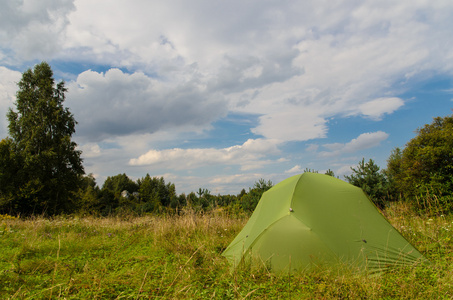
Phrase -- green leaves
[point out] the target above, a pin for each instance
(427, 160)
(149, 193)
(251, 199)
(371, 181)
(41, 129)
(424, 169)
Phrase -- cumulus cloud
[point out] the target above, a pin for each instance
(376, 108)
(249, 156)
(343, 50)
(291, 125)
(117, 104)
(34, 29)
(236, 178)
(176, 67)
(362, 142)
(224, 184)
(241, 74)
(90, 150)
(8, 88)
(294, 170)
(344, 170)
(336, 62)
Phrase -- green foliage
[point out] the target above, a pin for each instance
(330, 173)
(119, 183)
(394, 167)
(117, 194)
(225, 200)
(179, 201)
(191, 200)
(121, 195)
(155, 193)
(41, 129)
(426, 163)
(251, 199)
(204, 201)
(10, 171)
(88, 196)
(374, 183)
(150, 192)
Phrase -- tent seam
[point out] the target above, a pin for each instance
(294, 190)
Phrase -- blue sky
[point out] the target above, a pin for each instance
(218, 94)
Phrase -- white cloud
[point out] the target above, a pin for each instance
(90, 150)
(8, 88)
(34, 30)
(293, 170)
(233, 184)
(365, 141)
(292, 125)
(376, 108)
(312, 148)
(249, 156)
(293, 64)
(362, 142)
(236, 178)
(344, 171)
(119, 104)
(335, 62)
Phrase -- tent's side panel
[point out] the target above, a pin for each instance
(273, 205)
(350, 224)
(289, 244)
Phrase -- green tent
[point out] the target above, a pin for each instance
(313, 219)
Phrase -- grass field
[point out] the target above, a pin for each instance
(178, 257)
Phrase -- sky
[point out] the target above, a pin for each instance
(219, 94)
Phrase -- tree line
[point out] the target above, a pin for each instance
(121, 195)
(41, 171)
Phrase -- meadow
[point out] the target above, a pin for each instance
(178, 257)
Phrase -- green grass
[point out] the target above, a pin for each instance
(169, 257)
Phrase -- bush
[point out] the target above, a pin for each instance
(425, 166)
(374, 183)
(251, 199)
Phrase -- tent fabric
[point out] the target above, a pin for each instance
(312, 219)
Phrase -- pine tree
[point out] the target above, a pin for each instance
(373, 182)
